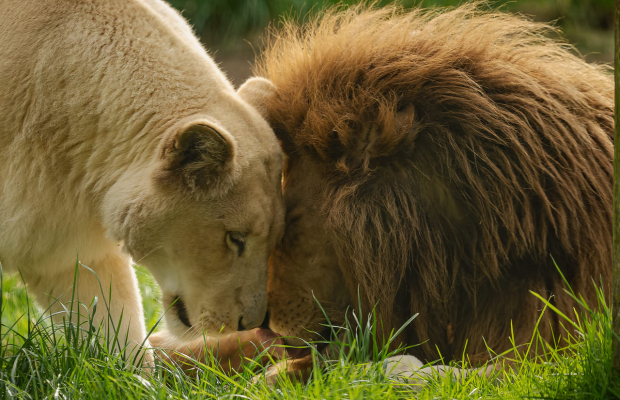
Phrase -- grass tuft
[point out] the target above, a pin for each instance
(40, 360)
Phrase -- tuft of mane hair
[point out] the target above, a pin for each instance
(464, 154)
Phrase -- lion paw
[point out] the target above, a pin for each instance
(293, 369)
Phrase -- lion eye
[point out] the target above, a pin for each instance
(236, 241)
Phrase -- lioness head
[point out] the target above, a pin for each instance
(202, 213)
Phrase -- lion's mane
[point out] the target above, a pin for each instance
(492, 161)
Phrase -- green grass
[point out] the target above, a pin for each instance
(39, 360)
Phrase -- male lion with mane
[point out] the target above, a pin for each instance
(441, 164)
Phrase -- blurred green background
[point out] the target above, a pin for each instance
(231, 29)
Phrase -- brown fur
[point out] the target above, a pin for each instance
(458, 154)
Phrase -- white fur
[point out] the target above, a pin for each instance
(413, 371)
(90, 91)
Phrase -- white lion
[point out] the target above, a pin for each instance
(119, 138)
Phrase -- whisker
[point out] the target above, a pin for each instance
(148, 254)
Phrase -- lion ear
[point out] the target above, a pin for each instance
(197, 155)
(405, 119)
(392, 134)
(377, 139)
(257, 92)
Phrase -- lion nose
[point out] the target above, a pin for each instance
(247, 322)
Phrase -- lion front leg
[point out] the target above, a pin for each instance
(116, 288)
(232, 352)
(298, 369)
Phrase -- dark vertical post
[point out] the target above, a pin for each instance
(616, 238)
